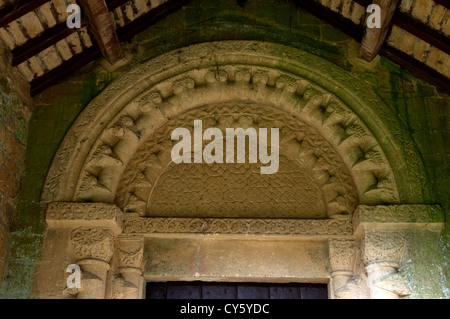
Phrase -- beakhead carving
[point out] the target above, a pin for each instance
(133, 111)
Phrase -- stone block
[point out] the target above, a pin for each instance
(55, 245)
(171, 258)
(8, 183)
(7, 215)
(12, 146)
(280, 260)
(18, 277)
(2, 266)
(10, 164)
(4, 236)
(25, 246)
(50, 280)
(212, 258)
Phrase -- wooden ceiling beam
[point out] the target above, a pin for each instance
(444, 3)
(114, 4)
(43, 41)
(102, 27)
(154, 15)
(333, 18)
(422, 31)
(68, 67)
(19, 9)
(416, 67)
(374, 37)
(88, 55)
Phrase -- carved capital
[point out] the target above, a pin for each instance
(130, 253)
(382, 247)
(92, 243)
(342, 255)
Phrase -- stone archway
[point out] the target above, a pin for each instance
(113, 190)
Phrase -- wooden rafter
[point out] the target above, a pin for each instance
(75, 63)
(102, 27)
(125, 33)
(333, 18)
(113, 4)
(444, 3)
(151, 17)
(356, 32)
(374, 37)
(414, 66)
(45, 40)
(422, 31)
(11, 13)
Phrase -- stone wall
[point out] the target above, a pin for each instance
(424, 110)
(15, 112)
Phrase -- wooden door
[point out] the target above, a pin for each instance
(216, 290)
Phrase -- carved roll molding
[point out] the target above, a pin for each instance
(346, 137)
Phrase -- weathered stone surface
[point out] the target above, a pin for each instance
(235, 259)
(421, 108)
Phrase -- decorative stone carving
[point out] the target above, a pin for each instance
(397, 283)
(139, 225)
(312, 181)
(92, 249)
(243, 72)
(383, 247)
(399, 216)
(72, 214)
(354, 288)
(129, 284)
(92, 243)
(382, 255)
(91, 287)
(123, 289)
(342, 255)
(342, 252)
(347, 145)
(130, 252)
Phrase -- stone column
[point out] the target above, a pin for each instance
(84, 235)
(382, 252)
(342, 258)
(384, 232)
(129, 283)
(92, 249)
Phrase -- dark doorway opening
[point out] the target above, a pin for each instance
(234, 290)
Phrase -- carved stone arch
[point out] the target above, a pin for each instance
(359, 125)
(344, 149)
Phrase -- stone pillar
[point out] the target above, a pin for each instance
(84, 235)
(384, 233)
(342, 258)
(92, 249)
(129, 283)
(382, 252)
